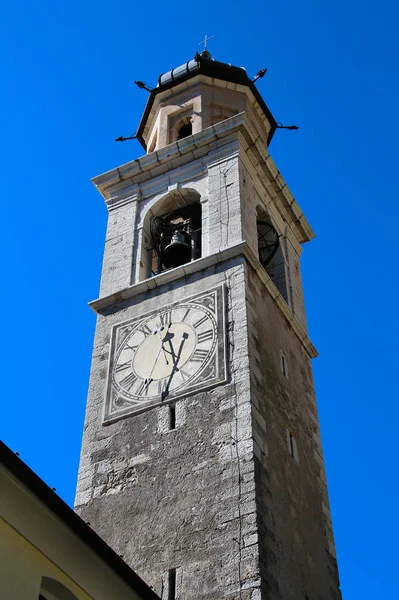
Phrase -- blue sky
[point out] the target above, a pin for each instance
(67, 75)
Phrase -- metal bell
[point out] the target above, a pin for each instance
(178, 252)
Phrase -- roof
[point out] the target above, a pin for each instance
(203, 64)
(53, 502)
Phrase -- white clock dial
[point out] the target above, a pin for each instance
(164, 352)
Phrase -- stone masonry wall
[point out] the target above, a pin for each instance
(220, 498)
(254, 198)
(184, 498)
(297, 556)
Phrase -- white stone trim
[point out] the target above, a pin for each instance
(197, 146)
(241, 249)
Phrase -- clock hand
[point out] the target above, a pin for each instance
(148, 380)
(175, 358)
(162, 341)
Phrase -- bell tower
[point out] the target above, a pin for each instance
(201, 459)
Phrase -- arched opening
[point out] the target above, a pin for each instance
(180, 123)
(184, 131)
(270, 253)
(51, 589)
(172, 233)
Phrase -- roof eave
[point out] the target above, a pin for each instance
(56, 505)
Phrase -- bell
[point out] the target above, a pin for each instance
(178, 252)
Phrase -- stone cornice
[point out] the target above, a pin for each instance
(112, 184)
(277, 189)
(241, 249)
(293, 322)
(274, 208)
(169, 157)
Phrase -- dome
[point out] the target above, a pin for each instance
(203, 64)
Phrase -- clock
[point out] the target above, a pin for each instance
(168, 353)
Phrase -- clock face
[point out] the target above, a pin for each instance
(167, 353)
(164, 352)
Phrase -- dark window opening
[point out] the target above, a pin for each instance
(172, 584)
(185, 131)
(284, 366)
(271, 256)
(268, 242)
(172, 417)
(292, 445)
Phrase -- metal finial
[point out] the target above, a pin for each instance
(205, 41)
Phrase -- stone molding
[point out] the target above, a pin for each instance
(204, 82)
(241, 249)
(112, 184)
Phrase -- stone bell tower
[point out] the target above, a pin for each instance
(201, 460)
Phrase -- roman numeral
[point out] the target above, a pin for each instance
(166, 318)
(133, 348)
(205, 335)
(186, 314)
(184, 375)
(143, 388)
(123, 366)
(128, 381)
(199, 323)
(199, 355)
(146, 330)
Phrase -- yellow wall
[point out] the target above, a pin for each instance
(22, 567)
(36, 543)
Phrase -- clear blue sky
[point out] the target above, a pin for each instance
(67, 73)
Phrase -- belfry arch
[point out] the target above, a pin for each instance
(271, 251)
(174, 209)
